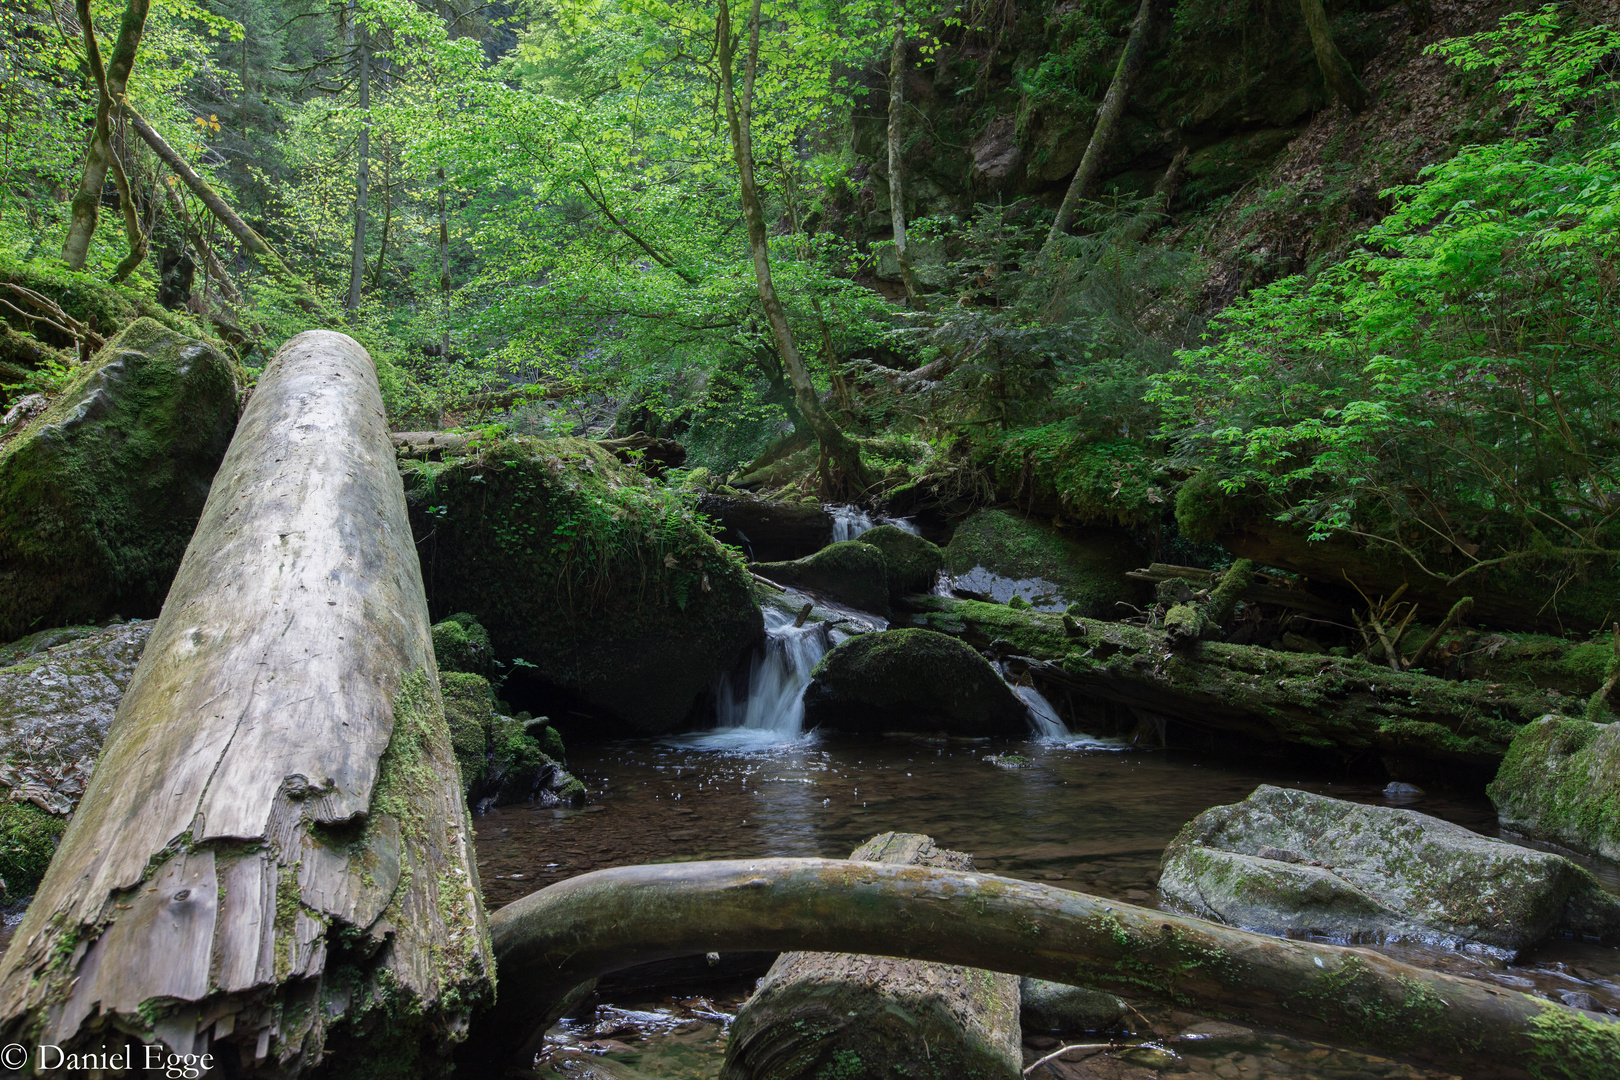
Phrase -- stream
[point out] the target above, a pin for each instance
(1067, 809)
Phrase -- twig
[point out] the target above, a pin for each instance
(1060, 1051)
(1458, 612)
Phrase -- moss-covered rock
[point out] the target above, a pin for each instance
(503, 759)
(911, 680)
(850, 572)
(99, 494)
(999, 555)
(468, 704)
(460, 643)
(911, 563)
(58, 697)
(605, 585)
(28, 839)
(1290, 862)
(1560, 782)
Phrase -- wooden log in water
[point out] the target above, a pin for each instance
(552, 940)
(816, 1012)
(273, 862)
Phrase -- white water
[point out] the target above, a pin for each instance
(850, 521)
(1048, 727)
(771, 710)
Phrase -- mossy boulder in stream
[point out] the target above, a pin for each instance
(1290, 862)
(503, 759)
(460, 643)
(99, 494)
(911, 680)
(997, 556)
(850, 572)
(911, 563)
(1560, 782)
(596, 584)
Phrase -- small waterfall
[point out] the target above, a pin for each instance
(1048, 727)
(773, 704)
(850, 521)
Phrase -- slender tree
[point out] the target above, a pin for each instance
(840, 463)
(111, 83)
(897, 201)
(362, 176)
(1336, 71)
(1108, 117)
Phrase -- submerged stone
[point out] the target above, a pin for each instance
(100, 492)
(850, 572)
(1560, 782)
(911, 680)
(1292, 863)
(998, 556)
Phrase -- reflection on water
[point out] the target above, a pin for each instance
(1079, 818)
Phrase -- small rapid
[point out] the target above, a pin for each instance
(850, 521)
(770, 711)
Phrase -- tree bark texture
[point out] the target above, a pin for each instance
(111, 83)
(897, 197)
(1336, 70)
(896, 1017)
(250, 240)
(273, 860)
(549, 942)
(362, 182)
(841, 468)
(1358, 711)
(1108, 117)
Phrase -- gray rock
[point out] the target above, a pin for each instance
(1050, 1006)
(1292, 863)
(58, 697)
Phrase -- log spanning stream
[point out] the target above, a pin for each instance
(1089, 819)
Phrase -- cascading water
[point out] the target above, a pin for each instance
(772, 708)
(1048, 727)
(850, 521)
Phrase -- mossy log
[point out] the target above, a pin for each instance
(1349, 707)
(815, 1011)
(549, 942)
(272, 862)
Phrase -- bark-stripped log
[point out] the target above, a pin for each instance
(815, 1010)
(552, 940)
(273, 861)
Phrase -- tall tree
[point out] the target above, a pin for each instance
(1336, 69)
(98, 157)
(840, 463)
(362, 176)
(1107, 125)
(897, 201)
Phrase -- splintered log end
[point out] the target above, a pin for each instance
(273, 862)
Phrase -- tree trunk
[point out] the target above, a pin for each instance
(840, 465)
(98, 156)
(362, 179)
(273, 859)
(551, 941)
(387, 222)
(897, 1017)
(1417, 725)
(304, 295)
(897, 200)
(1335, 68)
(444, 267)
(1108, 116)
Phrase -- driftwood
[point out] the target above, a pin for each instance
(1199, 620)
(551, 941)
(1354, 709)
(272, 862)
(897, 1017)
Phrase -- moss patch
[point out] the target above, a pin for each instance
(28, 839)
(1071, 567)
(911, 563)
(850, 572)
(460, 643)
(1560, 781)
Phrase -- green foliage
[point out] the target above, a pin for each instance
(28, 839)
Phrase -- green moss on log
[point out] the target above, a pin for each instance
(28, 839)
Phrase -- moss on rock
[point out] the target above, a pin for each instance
(911, 680)
(1000, 555)
(911, 563)
(850, 572)
(1560, 782)
(99, 494)
(28, 839)
(460, 643)
(604, 584)
(468, 703)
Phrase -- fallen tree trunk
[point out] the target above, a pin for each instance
(272, 861)
(897, 1017)
(551, 941)
(1350, 707)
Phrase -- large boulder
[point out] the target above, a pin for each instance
(59, 692)
(100, 492)
(995, 555)
(596, 585)
(911, 680)
(911, 563)
(768, 530)
(850, 572)
(1292, 863)
(1560, 782)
